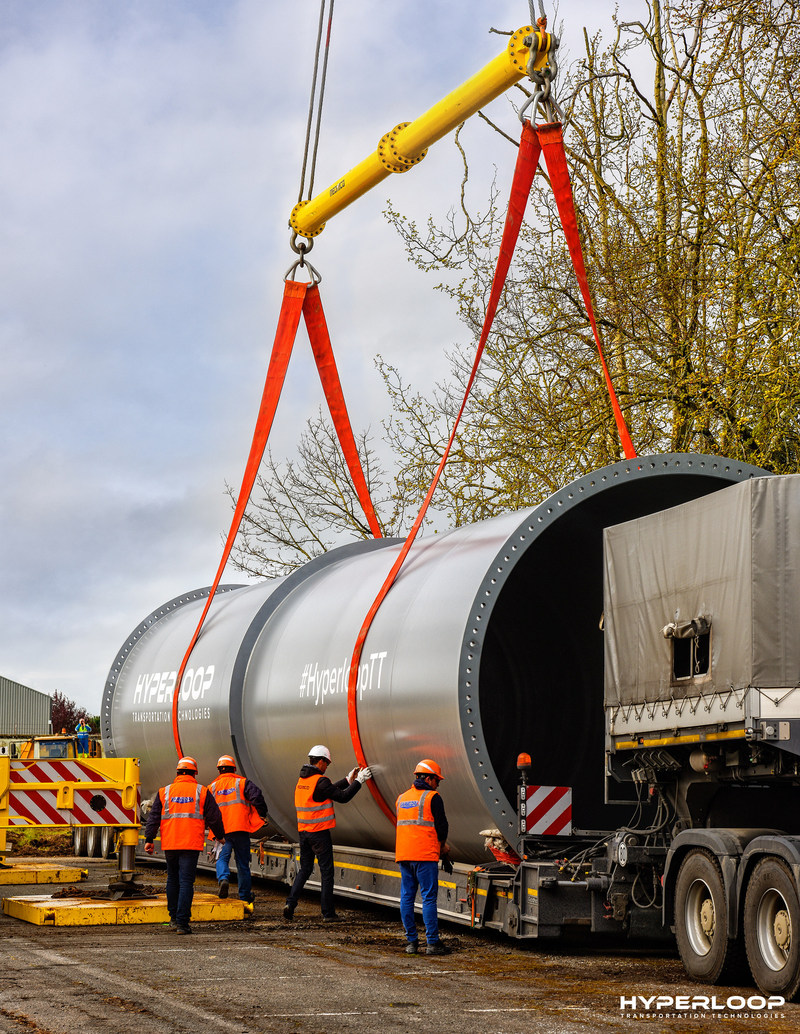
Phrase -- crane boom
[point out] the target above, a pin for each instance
(406, 145)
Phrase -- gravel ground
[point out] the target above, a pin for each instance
(268, 975)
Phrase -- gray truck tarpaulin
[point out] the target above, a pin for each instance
(729, 562)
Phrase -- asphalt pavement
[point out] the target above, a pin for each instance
(264, 974)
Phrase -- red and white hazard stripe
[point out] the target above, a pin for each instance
(548, 810)
(54, 772)
(32, 804)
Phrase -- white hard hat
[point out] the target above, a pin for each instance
(320, 751)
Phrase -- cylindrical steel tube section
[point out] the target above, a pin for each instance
(489, 644)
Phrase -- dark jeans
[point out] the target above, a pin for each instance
(181, 870)
(320, 846)
(425, 876)
(237, 844)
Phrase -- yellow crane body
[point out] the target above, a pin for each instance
(406, 145)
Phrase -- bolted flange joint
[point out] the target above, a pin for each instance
(390, 157)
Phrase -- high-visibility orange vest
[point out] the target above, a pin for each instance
(416, 833)
(238, 814)
(312, 815)
(182, 823)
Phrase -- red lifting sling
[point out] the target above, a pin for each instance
(297, 298)
(545, 139)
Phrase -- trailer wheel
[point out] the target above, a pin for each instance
(79, 841)
(92, 841)
(772, 929)
(107, 837)
(701, 922)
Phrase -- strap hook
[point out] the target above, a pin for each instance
(302, 263)
(543, 98)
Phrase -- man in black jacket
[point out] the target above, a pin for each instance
(313, 797)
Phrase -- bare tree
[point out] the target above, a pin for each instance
(685, 191)
(306, 506)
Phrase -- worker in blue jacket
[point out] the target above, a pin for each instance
(82, 729)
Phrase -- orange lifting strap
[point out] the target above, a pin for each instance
(298, 298)
(535, 140)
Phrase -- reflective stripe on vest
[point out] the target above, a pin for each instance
(238, 814)
(312, 815)
(182, 823)
(416, 831)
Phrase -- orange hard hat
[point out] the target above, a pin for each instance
(428, 767)
(187, 765)
(226, 761)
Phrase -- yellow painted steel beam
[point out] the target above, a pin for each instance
(51, 911)
(118, 775)
(407, 144)
(672, 741)
(40, 872)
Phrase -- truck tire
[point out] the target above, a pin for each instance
(772, 929)
(79, 841)
(701, 922)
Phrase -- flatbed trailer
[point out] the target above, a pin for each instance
(534, 899)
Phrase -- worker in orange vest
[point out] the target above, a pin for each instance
(422, 830)
(183, 809)
(313, 798)
(244, 810)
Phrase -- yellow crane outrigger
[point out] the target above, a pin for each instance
(407, 144)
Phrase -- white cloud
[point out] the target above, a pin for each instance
(151, 156)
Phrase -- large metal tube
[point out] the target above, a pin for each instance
(487, 645)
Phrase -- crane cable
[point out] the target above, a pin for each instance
(303, 249)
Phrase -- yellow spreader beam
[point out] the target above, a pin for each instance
(406, 145)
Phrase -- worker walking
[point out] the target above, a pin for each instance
(244, 810)
(183, 809)
(314, 796)
(82, 730)
(421, 841)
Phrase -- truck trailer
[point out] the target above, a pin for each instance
(608, 680)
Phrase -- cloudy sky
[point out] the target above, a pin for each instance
(151, 154)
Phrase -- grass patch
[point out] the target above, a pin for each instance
(35, 841)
